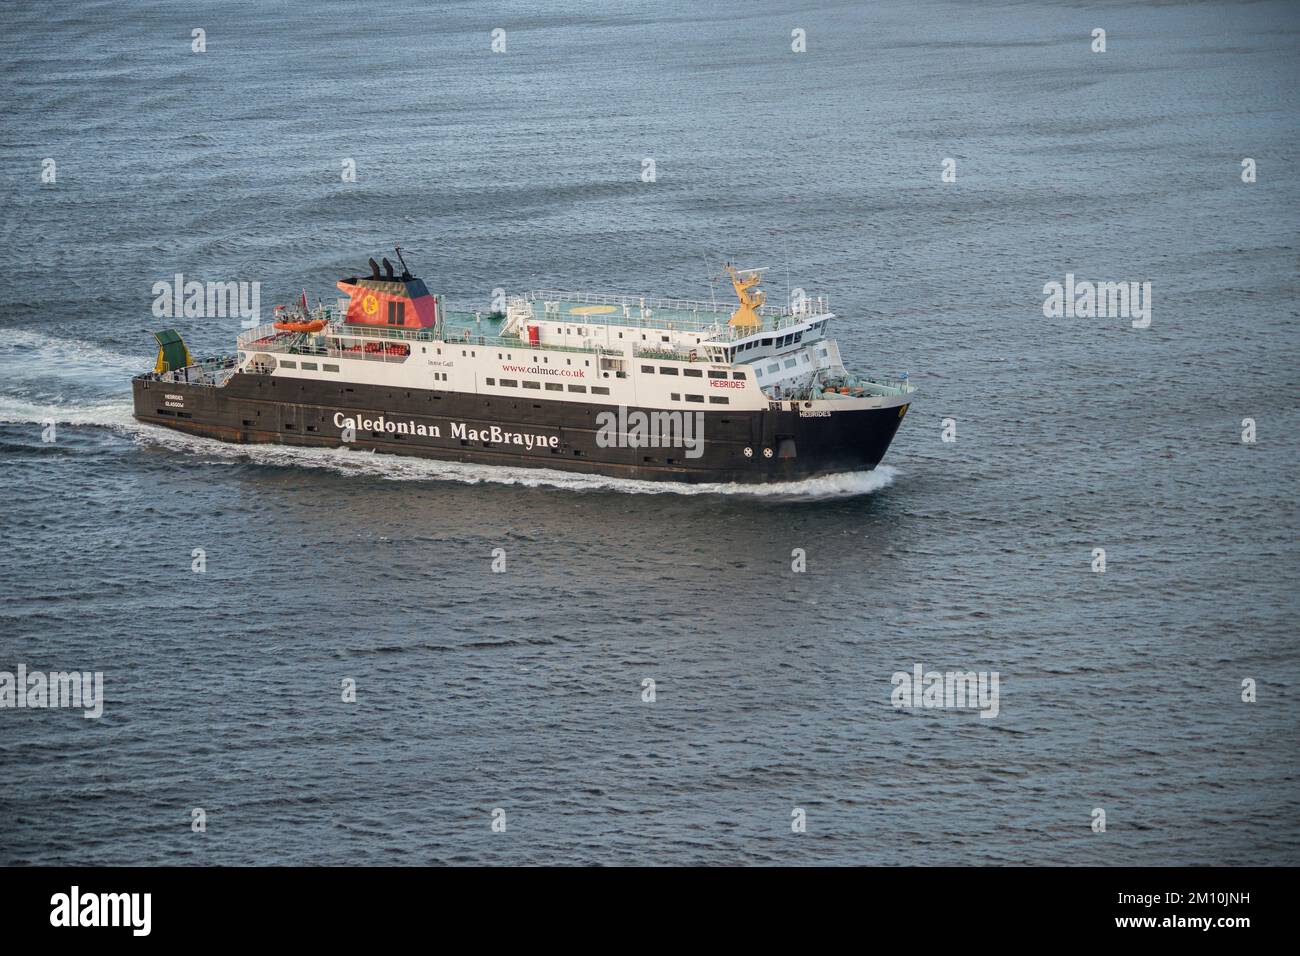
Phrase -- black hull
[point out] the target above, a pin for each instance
(270, 409)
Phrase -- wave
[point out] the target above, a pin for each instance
(111, 414)
(60, 352)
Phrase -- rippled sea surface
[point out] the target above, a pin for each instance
(1119, 691)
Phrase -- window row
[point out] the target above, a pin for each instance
(309, 366)
(689, 372)
(776, 341)
(789, 363)
(699, 399)
(509, 357)
(582, 331)
(550, 386)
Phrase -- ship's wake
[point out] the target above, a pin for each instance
(404, 468)
(52, 352)
(369, 464)
(114, 414)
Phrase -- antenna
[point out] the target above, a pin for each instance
(785, 242)
(405, 271)
(713, 296)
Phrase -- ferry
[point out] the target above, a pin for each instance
(629, 386)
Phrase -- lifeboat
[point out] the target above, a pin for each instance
(315, 325)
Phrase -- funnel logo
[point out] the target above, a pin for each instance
(370, 305)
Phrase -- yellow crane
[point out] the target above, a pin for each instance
(745, 282)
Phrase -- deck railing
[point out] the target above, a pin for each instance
(692, 315)
(267, 338)
(812, 306)
(210, 371)
(250, 340)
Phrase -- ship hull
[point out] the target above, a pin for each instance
(784, 442)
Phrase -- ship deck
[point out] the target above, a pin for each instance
(455, 324)
(603, 308)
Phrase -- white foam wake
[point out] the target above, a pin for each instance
(110, 414)
(352, 461)
(52, 352)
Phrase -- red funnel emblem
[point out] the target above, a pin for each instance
(394, 303)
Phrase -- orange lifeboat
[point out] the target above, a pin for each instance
(314, 325)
